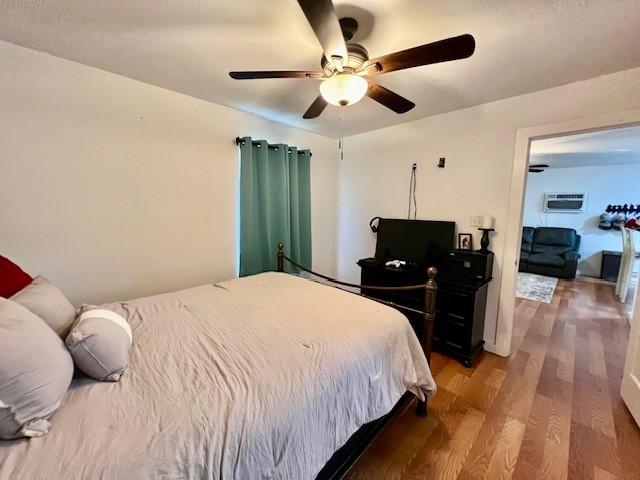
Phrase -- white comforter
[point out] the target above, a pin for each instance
(260, 377)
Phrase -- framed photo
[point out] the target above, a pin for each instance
(465, 241)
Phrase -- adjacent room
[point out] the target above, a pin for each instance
(581, 193)
(316, 239)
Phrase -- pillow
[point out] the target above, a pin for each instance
(12, 278)
(35, 372)
(99, 343)
(49, 303)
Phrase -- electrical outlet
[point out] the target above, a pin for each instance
(476, 221)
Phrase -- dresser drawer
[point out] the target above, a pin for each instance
(455, 307)
(457, 336)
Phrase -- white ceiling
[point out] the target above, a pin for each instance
(604, 147)
(189, 46)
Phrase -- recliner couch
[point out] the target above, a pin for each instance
(550, 251)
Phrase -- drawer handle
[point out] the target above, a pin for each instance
(459, 317)
(454, 345)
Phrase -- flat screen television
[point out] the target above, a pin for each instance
(421, 242)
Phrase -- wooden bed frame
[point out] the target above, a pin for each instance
(348, 454)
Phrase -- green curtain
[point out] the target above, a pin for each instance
(275, 204)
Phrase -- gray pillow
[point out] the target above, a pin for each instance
(49, 303)
(35, 372)
(99, 343)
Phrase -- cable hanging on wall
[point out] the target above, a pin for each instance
(412, 193)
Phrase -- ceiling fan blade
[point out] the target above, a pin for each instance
(453, 48)
(324, 23)
(535, 170)
(388, 98)
(316, 108)
(538, 165)
(274, 74)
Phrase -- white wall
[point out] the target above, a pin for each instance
(479, 144)
(115, 189)
(604, 185)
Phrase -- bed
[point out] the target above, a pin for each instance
(259, 377)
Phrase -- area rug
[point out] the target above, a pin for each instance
(535, 287)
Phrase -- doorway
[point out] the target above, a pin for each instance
(513, 233)
(579, 218)
(600, 231)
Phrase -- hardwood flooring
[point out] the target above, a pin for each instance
(552, 410)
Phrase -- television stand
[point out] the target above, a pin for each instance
(460, 303)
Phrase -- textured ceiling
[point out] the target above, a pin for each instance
(189, 46)
(604, 147)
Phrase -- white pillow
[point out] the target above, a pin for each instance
(35, 372)
(49, 303)
(99, 343)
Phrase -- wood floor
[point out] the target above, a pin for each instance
(550, 411)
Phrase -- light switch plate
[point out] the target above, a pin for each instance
(476, 221)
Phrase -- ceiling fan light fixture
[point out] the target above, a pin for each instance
(343, 88)
(343, 65)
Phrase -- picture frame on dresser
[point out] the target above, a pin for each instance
(465, 241)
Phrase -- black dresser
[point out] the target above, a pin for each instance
(461, 304)
(461, 300)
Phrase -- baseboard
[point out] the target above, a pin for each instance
(585, 278)
(493, 348)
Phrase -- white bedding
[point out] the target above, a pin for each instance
(259, 377)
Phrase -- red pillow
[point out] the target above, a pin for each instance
(12, 278)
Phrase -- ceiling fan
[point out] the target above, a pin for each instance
(537, 168)
(345, 65)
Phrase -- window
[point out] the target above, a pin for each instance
(275, 204)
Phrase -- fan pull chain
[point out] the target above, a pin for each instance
(341, 132)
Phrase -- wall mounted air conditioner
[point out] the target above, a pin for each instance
(565, 202)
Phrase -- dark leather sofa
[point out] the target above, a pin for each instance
(550, 251)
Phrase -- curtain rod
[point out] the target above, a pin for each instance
(238, 141)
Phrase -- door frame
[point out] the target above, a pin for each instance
(513, 234)
(630, 385)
